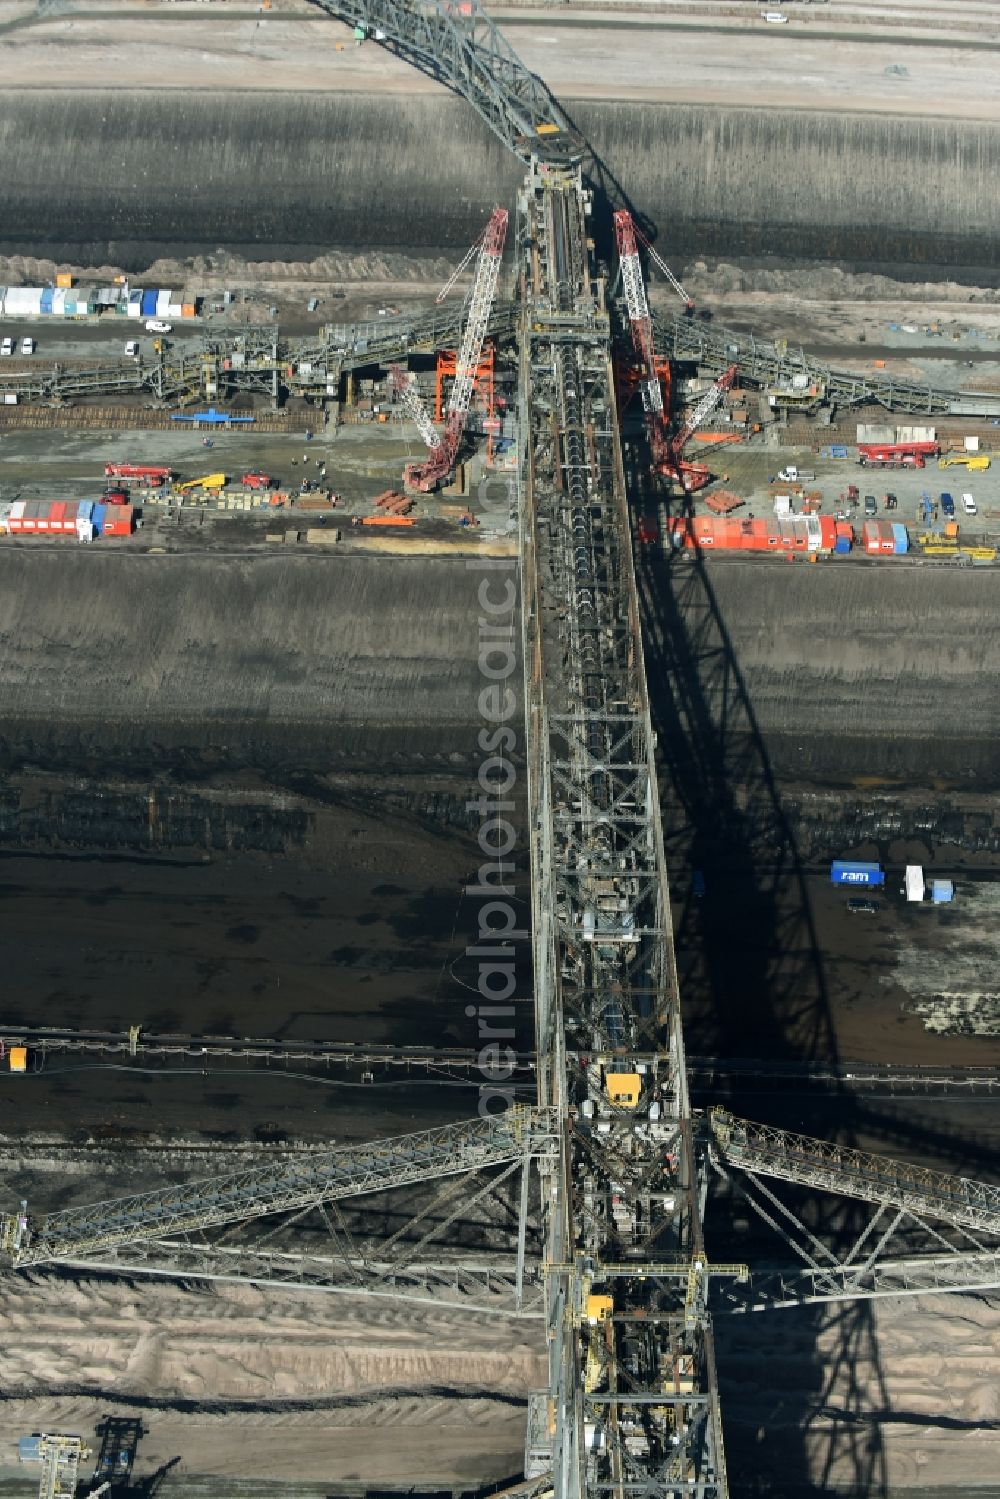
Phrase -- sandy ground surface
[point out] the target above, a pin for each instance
(330, 1394)
(824, 60)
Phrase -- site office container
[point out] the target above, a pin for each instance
(97, 516)
(135, 304)
(15, 518)
(149, 304)
(845, 537)
(188, 309)
(163, 301)
(46, 305)
(856, 872)
(900, 538)
(117, 519)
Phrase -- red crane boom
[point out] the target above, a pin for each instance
(444, 450)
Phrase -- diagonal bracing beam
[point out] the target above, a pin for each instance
(286, 1186)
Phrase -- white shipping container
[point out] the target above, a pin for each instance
(814, 533)
(914, 882)
(135, 309)
(10, 397)
(972, 444)
(163, 300)
(22, 301)
(17, 510)
(916, 434)
(875, 432)
(176, 309)
(59, 301)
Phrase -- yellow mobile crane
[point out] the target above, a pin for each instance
(207, 481)
(976, 463)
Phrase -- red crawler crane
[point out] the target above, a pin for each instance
(444, 448)
(666, 450)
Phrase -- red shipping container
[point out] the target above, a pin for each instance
(827, 532)
(57, 514)
(118, 520)
(871, 536)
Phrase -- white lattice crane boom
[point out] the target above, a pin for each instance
(704, 408)
(642, 338)
(444, 449)
(409, 398)
(662, 266)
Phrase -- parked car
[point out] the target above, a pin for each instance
(27, 345)
(948, 505)
(132, 348)
(871, 505)
(7, 347)
(859, 906)
(155, 326)
(969, 505)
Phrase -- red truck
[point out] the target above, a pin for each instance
(257, 481)
(896, 454)
(150, 476)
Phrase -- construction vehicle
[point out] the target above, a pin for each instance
(257, 481)
(896, 454)
(976, 463)
(151, 476)
(207, 481)
(443, 448)
(60, 1455)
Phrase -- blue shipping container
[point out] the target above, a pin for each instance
(850, 872)
(149, 304)
(97, 516)
(86, 510)
(47, 296)
(842, 545)
(900, 538)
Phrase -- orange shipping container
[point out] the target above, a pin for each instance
(388, 520)
(64, 279)
(188, 309)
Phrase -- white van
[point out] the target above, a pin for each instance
(969, 505)
(775, 17)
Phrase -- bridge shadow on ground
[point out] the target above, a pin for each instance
(799, 1387)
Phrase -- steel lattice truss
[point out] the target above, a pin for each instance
(958, 1218)
(765, 1151)
(632, 1385)
(458, 45)
(762, 363)
(300, 1183)
(261, 362)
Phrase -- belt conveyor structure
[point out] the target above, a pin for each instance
(631, 1404)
